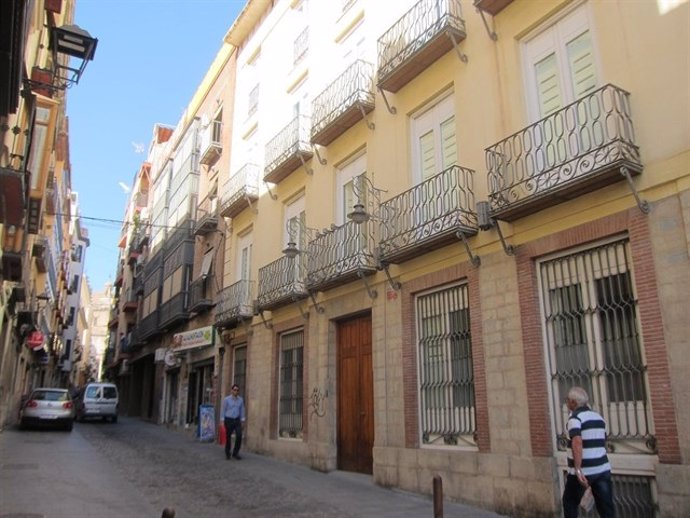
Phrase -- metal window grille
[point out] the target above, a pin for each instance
(446, 376)
(301, 46)
(633, 497)
(591, 329)
(291, 384)
(239, 367)
(253, 104)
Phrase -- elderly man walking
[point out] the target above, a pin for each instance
(588, 464)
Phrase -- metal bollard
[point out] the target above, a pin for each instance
(168, 513)
(438, 497)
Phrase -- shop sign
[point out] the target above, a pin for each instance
(201, 337)
(34, 340)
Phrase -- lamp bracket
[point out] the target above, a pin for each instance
(476, 261)
(461, 54)
(492, 34)
(369, 124)
(372, 292)
(267, 325)
(308, 169)
(391, 109)
(322, 161)
(642, 204)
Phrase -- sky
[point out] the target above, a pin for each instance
(150, 58)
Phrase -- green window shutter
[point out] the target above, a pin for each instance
(581, 61)
(427, 155)
(448, 143)
(548, 85)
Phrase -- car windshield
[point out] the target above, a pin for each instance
(50, 395)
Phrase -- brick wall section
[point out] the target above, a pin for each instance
(636, 224)
(409, 349)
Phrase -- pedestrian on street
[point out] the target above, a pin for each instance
(234, 418)
(588, 464)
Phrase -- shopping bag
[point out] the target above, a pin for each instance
(587, 500)
(221, 434)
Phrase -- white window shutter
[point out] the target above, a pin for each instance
(549, 92)
(427, 155)
(581, 60)
(449, 145)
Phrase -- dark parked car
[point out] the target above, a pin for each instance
(48, 407)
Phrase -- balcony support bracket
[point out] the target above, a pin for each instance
(474, 259)
(319, 309)
(369, 124)
(372, 292)
(508, 249)
(396, 285)
(267, 325)
(322, 161)
(308, 169)
(461, 54)
(642, 204)
(296, 300)
(492, 34)
(270, 193)
(255, 210)
(391, 109)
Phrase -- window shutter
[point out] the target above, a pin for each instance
(581, 61)
(448, 143)
(427, 155)
(548, 85)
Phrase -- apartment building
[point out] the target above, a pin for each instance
(43, 54)
(163, 346)
(440, 215)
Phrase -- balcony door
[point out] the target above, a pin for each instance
(295, 231)
(243, 265)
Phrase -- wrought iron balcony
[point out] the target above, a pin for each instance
(201, 293)
(578, 149)
(148, 326)
(130, 301)
(206, 217)
(493, 7)
(422, 35)
(174, 310)
(343, 103)
(183, 233)
(51, 195)
(113, 317)
(211, 142)
(288, 150)
(138, 284)
(281, 282)
(235, 303)
(39, 252)
(428, 216)
(12, 194)
(341, 255)
(240, 191)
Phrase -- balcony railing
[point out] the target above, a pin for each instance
(281, 282)
(211, 146)
(421, 36)
(148, 326)
(288, 149)
(578, 149)
(301, 46)
(340, 255)
(174, 310)
(130, 301)
(235, 303)
(428, 216)
(239, 191)
(201, 293)
(343, 103)
(206, 217)
(40, 252)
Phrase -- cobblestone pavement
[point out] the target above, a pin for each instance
(150, 468)
(177, 471)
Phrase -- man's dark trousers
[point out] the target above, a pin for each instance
(602, 489)
(233, 424)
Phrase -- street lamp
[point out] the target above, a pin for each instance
(70, 40)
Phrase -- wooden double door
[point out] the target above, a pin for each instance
(355, 395)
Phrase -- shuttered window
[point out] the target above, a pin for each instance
(560, 64)
(291, 385)
(434, 143)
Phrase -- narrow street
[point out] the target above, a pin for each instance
(134, 468)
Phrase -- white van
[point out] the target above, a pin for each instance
(98, 400)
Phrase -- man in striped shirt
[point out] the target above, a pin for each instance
(588, 464)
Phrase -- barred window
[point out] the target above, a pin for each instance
(447, 399)
(592, 332)
(291, 384)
